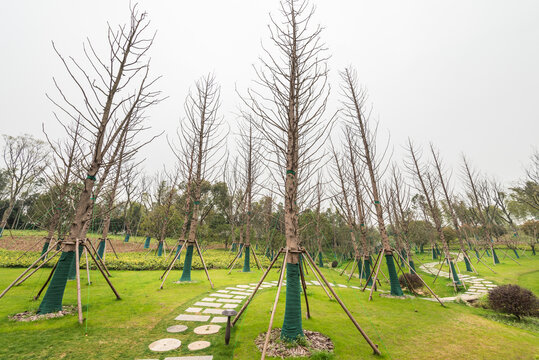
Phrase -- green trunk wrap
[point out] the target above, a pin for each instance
(178, 250)
(186, 273)
(160, 249)
(268, 253)
(533, 250)
(359, 267)
(516, 254)
(246, 261)
(147, 242)
(470, 245)
(454, 272)
(52, 301)
(127, 236)
(488, 253)
(72, 275)
(320, 262)
(234, 247)
(421, 250)
(496, 260)
(367, 271)
(434, 255)
(393, 278)
(437, 250)
(468, 266)
(1, 232)
(45, 248)
(477, 254)
(101, 249)
(412, 267)
(241, 250)
(292, 326)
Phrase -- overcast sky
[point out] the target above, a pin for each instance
(462, 74)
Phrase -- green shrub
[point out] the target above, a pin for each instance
(409, 279)
(513, 299)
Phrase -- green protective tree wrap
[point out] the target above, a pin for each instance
(434, 254)
(477, 254)
(268, 255)
(320, 262)
(234, 246)
(496, 260)
(488, 252)
(186, 273)
(256, 246)
(367, 271)
(72, 274)
(393, 278)
(272, 255)
(359, 266)
(52, 301)
(147, 242)
(456, 279)
(1, 232)
(101, 249)
(468, 265)
(412, 267)
(516, 253)
(241, 250)
(45, 248)
(421, 249)
(533, 250)
(247, 260)
(437, 249)
(470, 245)
(292, 325)
(160, 249)
(127, 236)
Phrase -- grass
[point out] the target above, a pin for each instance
(403, 329)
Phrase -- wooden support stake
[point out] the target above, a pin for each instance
(376, 275)
(256, 289)
(372, 273)
(98, 258)
(112, 247)
(304, 285)
(87, 266)
(170, 267)
(37, 268)
(203, 263)
(77, 274)
(258, 264)
(274, 307)
(343, 270)
(103, 273)
(365, 336)
(46, 282)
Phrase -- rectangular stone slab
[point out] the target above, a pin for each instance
(239, 293)
(213, 311)
(208, 304)
(219, 319)
(193, 309)
(230, 306)
(222, 295)
(208, 299)
(187, 317)
(223, 291)
(237, 301)
(203, 357)
(239, 297)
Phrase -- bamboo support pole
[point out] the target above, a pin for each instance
(98, 258)
(103, 273)
(376, 274)
(37, 268)
(372, 272)
(256, 289)
(170, 267)
(87, 266)
(319, 281)
(274, 306)
(203, 263)
(258, 264)
(112, 247)
(304, 285)
(77, 274)
(365, 336)
(46, 282)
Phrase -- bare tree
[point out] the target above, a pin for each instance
(25, 159)
(355, 112)
(288, 107)
(113, 92)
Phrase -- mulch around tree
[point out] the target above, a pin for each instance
(33, 316)
(314, 342)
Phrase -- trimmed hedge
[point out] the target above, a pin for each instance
(215, 259)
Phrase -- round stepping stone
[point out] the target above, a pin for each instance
(207, 329)
(165, 345)
(198, 345)
(176, 328)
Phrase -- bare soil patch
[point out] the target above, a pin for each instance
(32, 316)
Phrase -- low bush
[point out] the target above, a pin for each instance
(513, 299)
(334, 263)
(413, 280)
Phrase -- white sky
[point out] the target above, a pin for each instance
(462, 74)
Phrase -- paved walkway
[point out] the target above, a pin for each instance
(205, 317)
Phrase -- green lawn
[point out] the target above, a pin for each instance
(404, 329)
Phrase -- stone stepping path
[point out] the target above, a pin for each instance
(476, 287)
(204, 316)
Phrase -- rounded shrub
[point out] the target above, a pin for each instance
(513, 299)
(409, 279)
(334, 263)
